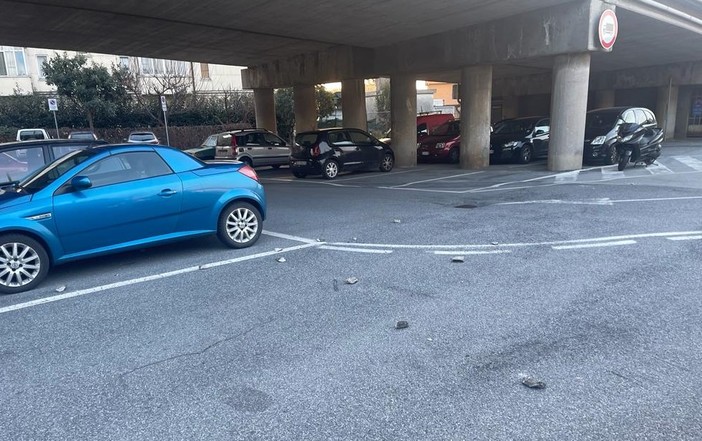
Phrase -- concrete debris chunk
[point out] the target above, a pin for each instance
(277, 250)
(401, 324)
(336, 285)
(351, 281)
(281, 259)
(533, 383)
(61, 288)
(458, 259)
(396, 221)
(494, 243)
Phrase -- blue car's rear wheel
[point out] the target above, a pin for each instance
(24, 263)
(239, 225)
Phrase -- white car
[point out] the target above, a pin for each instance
(32, 134)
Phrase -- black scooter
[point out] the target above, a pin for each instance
(636, 143)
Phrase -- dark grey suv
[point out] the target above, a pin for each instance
(19, 159)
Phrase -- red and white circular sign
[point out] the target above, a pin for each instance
(608, 29)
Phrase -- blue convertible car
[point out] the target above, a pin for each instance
(116, 197)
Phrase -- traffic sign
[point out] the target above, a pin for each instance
(608, 29)
(164, 107)
(53, 104)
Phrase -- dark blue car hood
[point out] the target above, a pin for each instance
(507, 137)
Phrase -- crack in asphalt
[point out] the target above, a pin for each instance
(196, 353)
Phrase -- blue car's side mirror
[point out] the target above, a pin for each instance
(81, 183)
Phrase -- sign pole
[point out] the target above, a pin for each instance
(58, 135)
(53, 107)
(164, 107)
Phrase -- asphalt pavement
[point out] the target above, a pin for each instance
(583, 284)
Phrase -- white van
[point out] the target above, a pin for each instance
(32, 134)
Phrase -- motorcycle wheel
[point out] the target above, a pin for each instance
(623, 160)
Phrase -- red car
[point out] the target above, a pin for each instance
(442, 144)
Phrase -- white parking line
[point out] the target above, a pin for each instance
(685, 238)
(689, 161)
(436, 179)
(355, 250)
(289, 237)
(594, 245)
(137, 280)
(470, 253)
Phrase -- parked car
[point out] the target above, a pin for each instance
(425, 125)
(113, 198)
(142, 138)
(520, 139)
(443, 144)
(256, 147)
(206, 151)
(31, 134)
(601, 127)
(83, 135)
(20, 159)
(327, 152)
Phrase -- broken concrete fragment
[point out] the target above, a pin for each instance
(396, 221)
(401, 324)
(458, 259)
(351, 280)
(61, 289)
(280, 259)
(533, 383)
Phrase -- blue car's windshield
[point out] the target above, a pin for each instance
(54, 170)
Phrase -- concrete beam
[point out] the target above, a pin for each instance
(562, 29)
(335, 64)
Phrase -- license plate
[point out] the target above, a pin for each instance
(425, 153)
(300, 163)
(492, 151)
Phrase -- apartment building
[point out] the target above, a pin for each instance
(21, 70)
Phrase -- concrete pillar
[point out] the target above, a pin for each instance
(305, 105)
(264, 103)
(403, 119)
(476, 106)
(604, 98)
(510, 107)
(353, 104)
(667, 109)
(571, 75)
(683, 112)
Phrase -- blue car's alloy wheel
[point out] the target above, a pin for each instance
(23, 263)
(239, 225)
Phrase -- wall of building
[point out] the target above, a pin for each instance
(201, 76)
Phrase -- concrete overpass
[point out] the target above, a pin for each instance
(500, 48)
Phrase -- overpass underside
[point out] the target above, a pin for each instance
(505, 51)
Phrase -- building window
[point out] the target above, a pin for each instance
(124, 63)
(152, 66)
(41, 59)
(205, 71)
(12, 62)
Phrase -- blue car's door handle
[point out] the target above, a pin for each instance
(167, 192)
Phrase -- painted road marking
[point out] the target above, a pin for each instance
(518, 244)
(290, 237)
(685, 238)
(568, 176)
(435, 179)
(594, 245)
(689, 161)
(355, 250)
(658, 169)
(470, 253)
(138, 280)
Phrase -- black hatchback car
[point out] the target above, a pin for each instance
(601, 127)
(19, 159)
(327, 152)
(520, 139)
